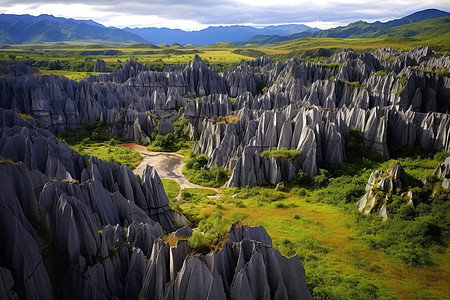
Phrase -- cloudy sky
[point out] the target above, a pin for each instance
(198, 14)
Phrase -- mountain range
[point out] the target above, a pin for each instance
(27, 29)
(362, 29)
(215, 34)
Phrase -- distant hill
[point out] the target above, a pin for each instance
(214, 34)
(26, 29)
(361, 29)
(31, 19)
(364, 29)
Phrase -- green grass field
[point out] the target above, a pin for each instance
(93, 140)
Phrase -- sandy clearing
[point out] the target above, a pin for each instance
(169, 165)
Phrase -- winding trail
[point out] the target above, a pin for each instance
(169, 165)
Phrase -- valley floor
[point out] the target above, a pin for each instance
(169, 165)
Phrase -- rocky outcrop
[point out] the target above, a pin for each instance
(100, 66)
(443, 171)
(41, 153)
(15, 69)
(22, 269)
(246, 267)
(251, 169)
(379, 186)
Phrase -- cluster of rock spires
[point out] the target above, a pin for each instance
(105, 229)
(393, 97)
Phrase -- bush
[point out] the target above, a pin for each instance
(197, 241)
(174, 141)
(196, 171)
(321, 180)
(290, 155)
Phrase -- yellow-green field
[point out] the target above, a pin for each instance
(72, 75)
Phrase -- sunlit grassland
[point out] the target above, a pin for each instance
(108, 151)
(72, 75)
(354, 43)
(171, 187)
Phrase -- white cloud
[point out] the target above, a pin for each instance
(197, 14)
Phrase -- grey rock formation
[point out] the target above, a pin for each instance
(106, 226)
(389, 182)
(185, 231)
(165, 127)
(106, 223)
(15, 69)
(443, 171)
(22, 264)
(100, 66)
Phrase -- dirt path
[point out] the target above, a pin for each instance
(169, 165)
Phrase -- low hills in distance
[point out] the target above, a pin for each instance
(27, 29)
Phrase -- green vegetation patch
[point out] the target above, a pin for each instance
(171, 187)
(250, 52)
(174, 141)
(197, 172)
(25, 116)
(93, 140)
(290, 155)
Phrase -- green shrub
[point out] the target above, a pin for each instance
(197, 241)
(321, 180)
(196, 171)
(381, 73)
(174, 141)
(403, 80)
(290, 155)
(280, 187)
